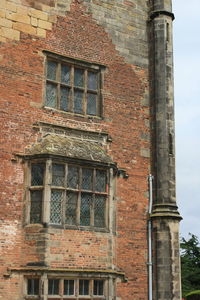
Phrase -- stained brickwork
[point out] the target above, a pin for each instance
(125, 21)
(112, 34)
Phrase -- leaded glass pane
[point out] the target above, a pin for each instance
(71, 208)
(78, 102)
(98, 288)
(64, 98)
(72, 178)
(36, 207)
(83, 287)
(85, 209)
(65, 74)
(99, 211)
(68, 287)
(101, 178)
(87, 179)
(91, 104)
(33, 286)
(92, 81)
(53, 287)
(56, 207)
(78, 77)
(58, 174)
(37, 174)
(51, 70)
(51, 94)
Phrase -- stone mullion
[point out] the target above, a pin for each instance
(44, 287)
(47, 192)
(64, 198)
(93, 199)
(71, 97)
(100, 102)
(109, 213)
(79, 197)
(27, 191)
(110, 218)
(58, 79)
(85, 92)
(111, 288)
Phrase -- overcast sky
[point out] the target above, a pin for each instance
(187, 111)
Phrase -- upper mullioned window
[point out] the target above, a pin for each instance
(73, 86)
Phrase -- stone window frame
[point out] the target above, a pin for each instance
(77, 294)
(45, 218)
(44, 288)
(75, 64)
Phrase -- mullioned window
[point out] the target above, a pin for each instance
(68, 194)
(73, 86)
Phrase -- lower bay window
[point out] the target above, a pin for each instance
(62, 288)
(66, 194)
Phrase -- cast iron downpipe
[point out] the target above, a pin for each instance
(150, 272)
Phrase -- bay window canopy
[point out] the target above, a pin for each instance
(70, 147)
(68, 182)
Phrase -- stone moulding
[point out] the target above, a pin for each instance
(72, 272)
(157, 13)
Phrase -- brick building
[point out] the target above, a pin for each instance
(86, 89)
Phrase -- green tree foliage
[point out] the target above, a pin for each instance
(195, 295)
(190, 264)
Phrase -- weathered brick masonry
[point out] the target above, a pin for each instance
(112, 34)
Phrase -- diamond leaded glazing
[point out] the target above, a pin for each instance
(85, 209)
(92, 81)
(65, 74)
(71, 208)
(87, 178)
(72, 178)
(77, 195)
(91, 104)
(78, 102)
(51, 94)
(56, 207)
(64, 98)
(37, 174)
(78, 77)
(36, 206)
(99, 211)
(100, 181)
(51, 70)
(58, 174)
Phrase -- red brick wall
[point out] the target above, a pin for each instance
(125, 119)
